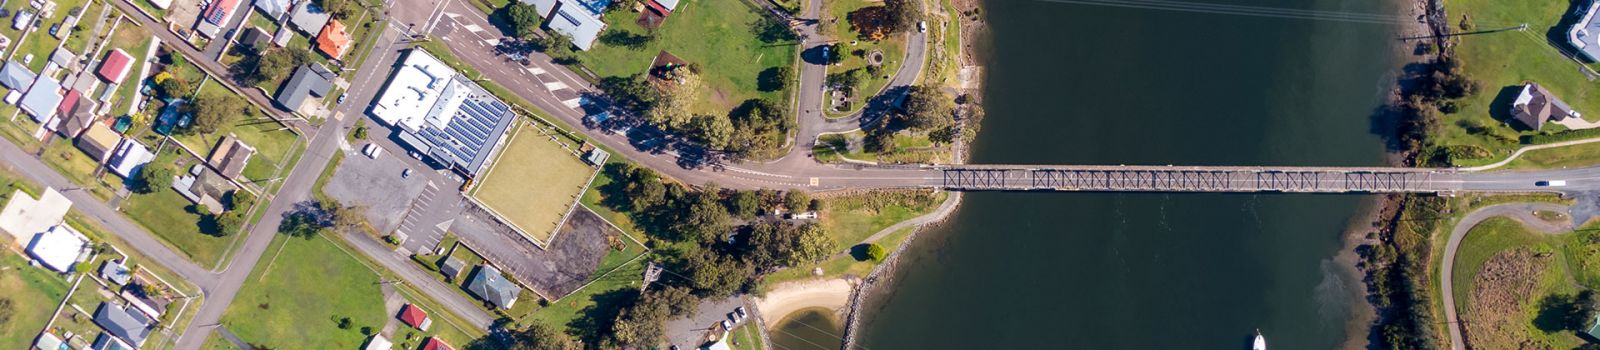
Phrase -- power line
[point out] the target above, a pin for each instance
(1243, 10)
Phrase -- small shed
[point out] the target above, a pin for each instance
(452, 267)
(114, 271)
(378, 342)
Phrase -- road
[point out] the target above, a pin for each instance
(1521, 212)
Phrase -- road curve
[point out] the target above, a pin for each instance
(1522, 213)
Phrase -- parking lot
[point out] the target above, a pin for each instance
(555, 271)
(690, 332)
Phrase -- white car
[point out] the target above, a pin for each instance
(922, 26)
(726, 324)
(372, 151)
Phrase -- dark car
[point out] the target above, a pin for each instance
(55, 28)
(231, 32)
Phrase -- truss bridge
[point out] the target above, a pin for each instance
(1198, 179)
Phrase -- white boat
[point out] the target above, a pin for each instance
(1260, 343)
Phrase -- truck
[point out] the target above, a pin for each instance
(1551, 183)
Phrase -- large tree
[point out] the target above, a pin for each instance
(339, 9)
(152, 177)
(539, 336)
(713, 131)
(926, 108)
(903, 14)
(678, 90)
(701, 216)
(779, 244)
(523, 18)
(212, 111)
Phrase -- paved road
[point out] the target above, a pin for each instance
(32, 168)
(1521, 212)
(296, 188)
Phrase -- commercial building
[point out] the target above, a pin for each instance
(442, 114)
(58, 248)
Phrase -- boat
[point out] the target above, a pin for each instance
(1260, 342)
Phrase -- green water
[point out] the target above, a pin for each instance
(812, 328)
(1081, 84)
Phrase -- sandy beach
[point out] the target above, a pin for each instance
(786, 298)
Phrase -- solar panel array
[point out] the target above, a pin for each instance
(476, 126)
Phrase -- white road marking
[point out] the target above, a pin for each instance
(748, 171)
(554, 86)
(536, 70)
(492, 41)
(472, 28)
(573, 103)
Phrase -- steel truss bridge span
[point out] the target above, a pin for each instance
(1199, 179)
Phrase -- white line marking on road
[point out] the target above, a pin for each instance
(554, 86)
(472, 28)
(536, 70)
(573, 103)
(748, 171)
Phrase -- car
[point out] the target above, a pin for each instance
(922, 26)
(726, 324)
(406, 173)
(231, 32)
(740, 311)
(1551, 183)
(55, 28)
(372, 151)
(733, 316)
(341, 98)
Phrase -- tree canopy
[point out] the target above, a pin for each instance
(212, 111)
(523, 18)
(152, 178)
(671, 111)
(926, 108)
(903, 14)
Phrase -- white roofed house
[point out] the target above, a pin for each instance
(578, 23)
(59, 247)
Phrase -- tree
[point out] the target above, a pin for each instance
(539, 336)
(795, 200)
(744, 204)
(770, 30)
(835, 54)
(174, 87)
(701, 217)
(775, 78)
(680, 301)
(926, 108)
(715, 275)
(812, 245)
(847, 80)
(677, 94)
(713, 131)
(777, 244)
(630, 93)
(640, 325)
(211, 111)
(152, 178)
(523, 18)
(6, 310)
(903, 15)
(239, 199)
(339, 9)
(556, 45)
(228, 222)
(876, 252)
(1581, 310)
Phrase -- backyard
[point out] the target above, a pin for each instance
(273, 141)
(32, 294)
(170, 217)
(1502, 62)
(718, 35)
(300, 294)
(533, 182)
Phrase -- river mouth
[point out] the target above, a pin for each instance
(808, 328)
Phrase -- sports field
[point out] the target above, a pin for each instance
(533, 182)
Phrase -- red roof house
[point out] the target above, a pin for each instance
(115, 67)
(333, 40)
(435, 344)
(414, 316)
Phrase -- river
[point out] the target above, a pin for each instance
(1090, 84)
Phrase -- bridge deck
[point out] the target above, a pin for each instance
(1199, 179)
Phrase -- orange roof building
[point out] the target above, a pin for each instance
(333, 41)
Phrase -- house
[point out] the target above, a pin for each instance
(76, 113)
(255, 37)
(115, 67)
(308, 18)
(1535, 105)
(58, 248)
(274, 9)
(333, 41)
(116, 272)
(130, 326)
(203, 187)
(16, 76)
(378, 342)
(308, 80)
(98, 141)
(578, 23)
(488, 284)
(434, 343)
(49, 341)
(107, 342)
(129, 158)
(41, 100)
(452, 267)
(413, 316)
(543, 6)
(282, 36)
(1585, 35)
(24, 215)
(231, 156)
(63, 58)
(215, 17)
(596, 157)
(22, 19)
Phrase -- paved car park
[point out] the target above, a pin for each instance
(690, 332)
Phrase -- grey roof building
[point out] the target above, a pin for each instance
(308, 18)
(63, 57)
(16, 76)
(42, 99)
(131, 326)
(115, 272)
(1585, 35)
(1535, 105)
(308, 80)
(254, 37)
(107, 342)
(452, 267)
(488, 284)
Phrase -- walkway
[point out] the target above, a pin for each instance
(1521, 212)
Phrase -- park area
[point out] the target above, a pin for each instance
(308, 293)
(1516, 283)
(1501, 62)
(533, 183)
(871, 55)
(720, 36)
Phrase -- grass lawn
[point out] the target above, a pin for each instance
(716, 34)
(562, 312)
(272, 140)
(78, 167)
(296, 297)
(135, 47)
(39, 42)
(893, 48)
(747, 337)
(33, 292)
(1583, 256)
(166, 214)
(160, 14)
(215, 342)
(81, 35)
(851, 218)
(1499, 234)
(1560, 157)
(533, 182)
(1503, 61)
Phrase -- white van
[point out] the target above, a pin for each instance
(1551, 183)
(372, 151)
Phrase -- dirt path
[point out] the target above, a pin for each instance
(1522, 213)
